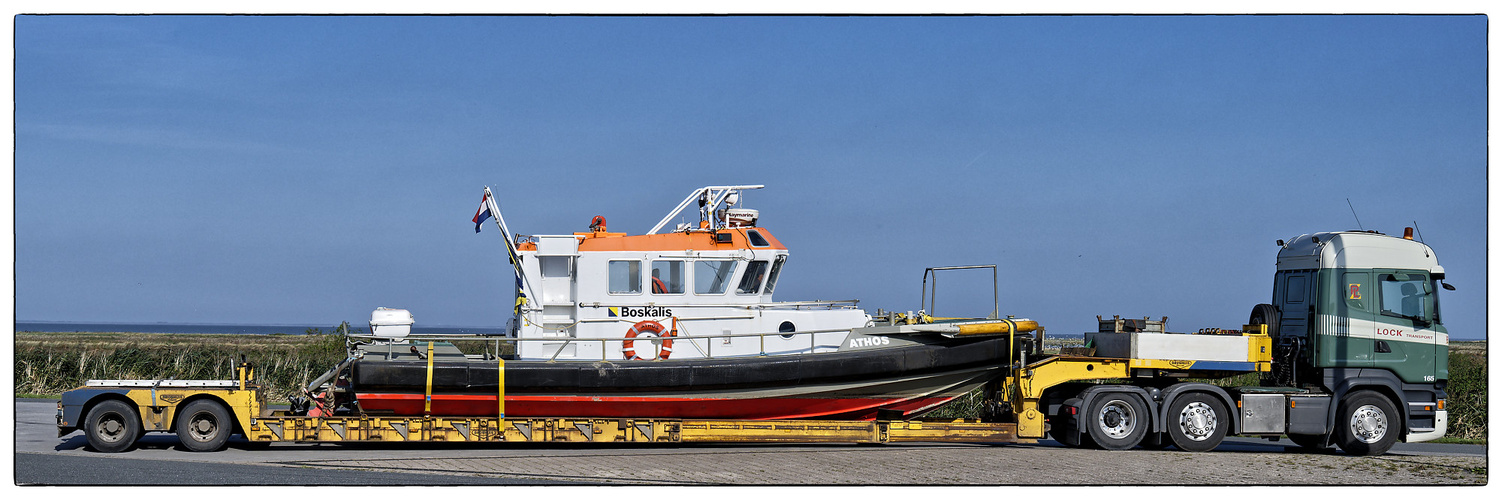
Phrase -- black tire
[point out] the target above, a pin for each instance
(1068, 434)
(1197, 422)
(112, 426)
(1087, 442)
(1117, 421)
(203, 425)
(1367, 424)
(1310, 441)
(1266, 314)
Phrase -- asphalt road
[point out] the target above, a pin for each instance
(42, 458)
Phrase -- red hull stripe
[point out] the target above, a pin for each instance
(649, 407)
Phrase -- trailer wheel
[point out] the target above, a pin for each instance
(1117, 421)
(1197, 422)
(112, 426)
(203, 425)
(1367, 425)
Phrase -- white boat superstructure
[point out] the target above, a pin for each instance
(711, 281)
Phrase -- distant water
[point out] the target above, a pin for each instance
(47, 326)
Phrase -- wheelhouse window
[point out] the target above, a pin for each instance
(751, 281)
(667, 276)
(1406, 295)
(711, 277)
(625, 276)
(756, 239)
(776, 270)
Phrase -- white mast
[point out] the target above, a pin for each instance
(500, 224)
(714, 194)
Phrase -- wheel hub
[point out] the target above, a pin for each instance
(111, 429)
(202, 427)
(1368, 424)
(1117, 419)
(1197, 421)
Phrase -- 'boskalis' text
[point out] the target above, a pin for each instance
(640, 312)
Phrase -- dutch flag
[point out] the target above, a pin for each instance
(482, 214)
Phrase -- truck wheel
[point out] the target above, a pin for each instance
(1367, 424)
(203, 425)
(1117, 421)
(112, 426)
(1197, 422)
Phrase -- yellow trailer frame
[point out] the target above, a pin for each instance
(1023, 389)
(597, 430)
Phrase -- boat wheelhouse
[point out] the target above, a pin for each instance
(715, 276)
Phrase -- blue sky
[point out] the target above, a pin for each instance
(305, 170)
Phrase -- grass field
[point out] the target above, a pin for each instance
(49, 363)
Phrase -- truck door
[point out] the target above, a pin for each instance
(1347, 338)
(1404, 330)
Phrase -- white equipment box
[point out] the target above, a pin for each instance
(1147, 345)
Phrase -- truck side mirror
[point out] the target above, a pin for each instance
(1447, 286)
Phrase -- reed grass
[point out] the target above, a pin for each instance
(50, 363)
(1467, 394)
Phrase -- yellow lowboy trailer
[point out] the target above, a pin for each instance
(204, 413)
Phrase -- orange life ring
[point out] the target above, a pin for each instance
(628, 346)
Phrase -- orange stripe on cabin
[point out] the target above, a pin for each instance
(666, 242)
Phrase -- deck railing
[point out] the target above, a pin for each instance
(707, 350)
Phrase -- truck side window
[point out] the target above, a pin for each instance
(1405, 294)
(625, 276)
(1295, 290)
(667, 276)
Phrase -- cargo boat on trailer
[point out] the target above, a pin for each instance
(677, 324)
